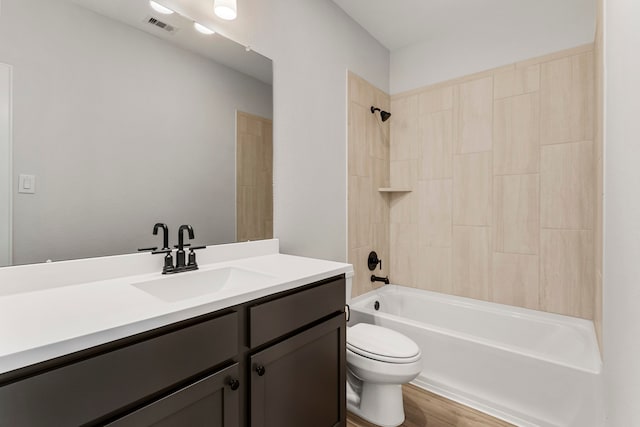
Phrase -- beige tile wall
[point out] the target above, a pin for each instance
(254, 178)
(368, 166)
(502, 165)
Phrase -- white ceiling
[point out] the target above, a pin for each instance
(400, 23)
(216, 47)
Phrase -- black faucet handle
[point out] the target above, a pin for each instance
(147, 249)
(185, 245)
(168, 260)
(373, 261)
(192, 257)
(162, 251)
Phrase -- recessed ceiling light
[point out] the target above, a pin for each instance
(226, 9)
(202, 29)
(160, 8)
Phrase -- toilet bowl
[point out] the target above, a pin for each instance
(379, 361)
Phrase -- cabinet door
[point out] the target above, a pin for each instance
(212, 402)
(301, 381)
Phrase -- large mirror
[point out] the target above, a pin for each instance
(113, 117)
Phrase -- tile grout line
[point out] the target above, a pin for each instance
(540, 257)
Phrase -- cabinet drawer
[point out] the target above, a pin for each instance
(209, 402)
(272, 319)
(92, 388)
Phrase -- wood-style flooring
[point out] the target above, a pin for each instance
(425, 409)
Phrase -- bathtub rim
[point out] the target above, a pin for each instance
(591, 366)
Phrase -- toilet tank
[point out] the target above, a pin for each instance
(348, 287)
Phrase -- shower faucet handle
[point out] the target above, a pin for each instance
(373, 261)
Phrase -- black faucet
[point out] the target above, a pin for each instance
(168, 258)
(180, 254)
(165, 238)
(165, 234)
(375, 278)
(372, 262)
(181, 265)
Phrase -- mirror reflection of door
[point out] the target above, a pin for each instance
(254, 177)
(5, 165)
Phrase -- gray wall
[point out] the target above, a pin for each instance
(5, 165)
(621, 282)
(312, 43)
(121, 130)
(490, 34)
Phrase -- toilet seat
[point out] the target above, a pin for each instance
(382, 344)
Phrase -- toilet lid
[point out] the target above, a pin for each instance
(383, 344)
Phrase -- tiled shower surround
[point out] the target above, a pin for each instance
(502, 171)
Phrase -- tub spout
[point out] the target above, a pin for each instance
(375, 278)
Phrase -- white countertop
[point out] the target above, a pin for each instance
(46, 323)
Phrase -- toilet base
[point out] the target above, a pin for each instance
(380, 404)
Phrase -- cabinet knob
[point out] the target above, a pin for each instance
(234, 384)
(260, 370)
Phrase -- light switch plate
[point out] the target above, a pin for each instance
(27, 184)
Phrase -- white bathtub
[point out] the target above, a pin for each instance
(526, 367)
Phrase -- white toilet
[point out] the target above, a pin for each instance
(379, 361)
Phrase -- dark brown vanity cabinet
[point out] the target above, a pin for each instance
(275, 362)
(299, 381)
(212, 401)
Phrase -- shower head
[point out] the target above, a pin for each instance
(384, 115)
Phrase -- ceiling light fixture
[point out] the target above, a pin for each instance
(160, 8)
(226, 9)
(202, 29)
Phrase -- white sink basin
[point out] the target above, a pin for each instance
(200, 282)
